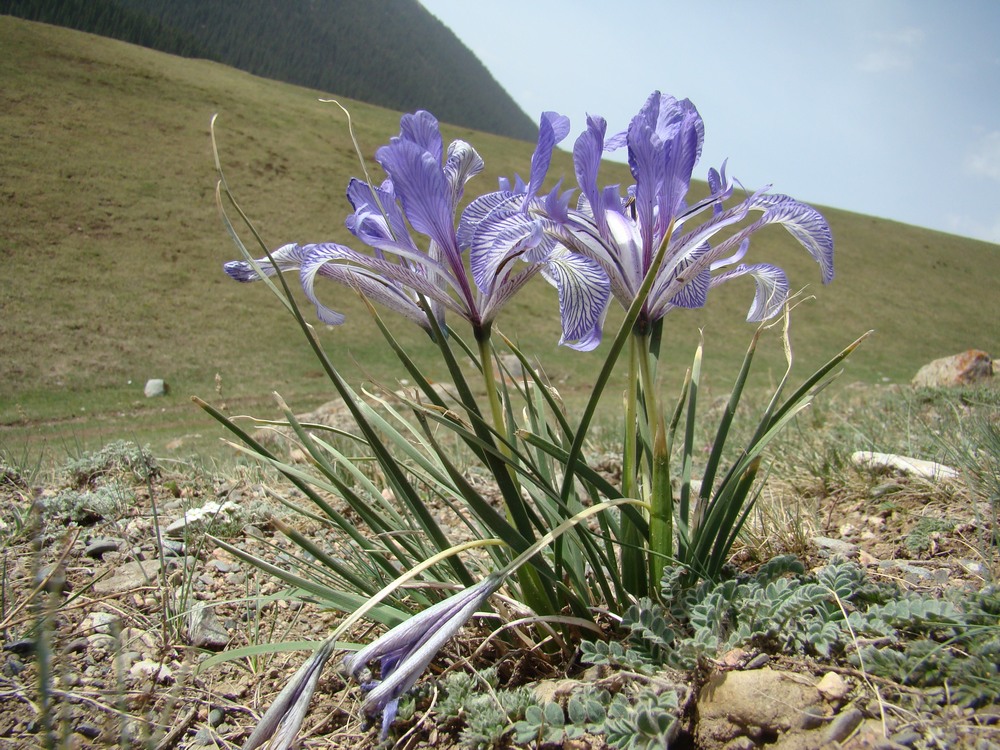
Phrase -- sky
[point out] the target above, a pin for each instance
(889, 108)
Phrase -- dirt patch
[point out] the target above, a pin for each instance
(105, 597)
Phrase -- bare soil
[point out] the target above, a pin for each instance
(125, 672)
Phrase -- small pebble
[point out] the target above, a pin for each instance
(907, 737)
(12, 667)
(54, 578)
(70, 679)
(173, 548)
(205, 736)
(77, 645)
(842, 726)
(87, 730)
(835, 546)
(22, 647)
(150, 669)
(833, 687)
(972, 566)
(98, 548)
(102, 622)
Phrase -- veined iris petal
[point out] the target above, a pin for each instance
(406, 650)
(463, 163)
(499, 244)
(421, 128)
(283, 719)
(771, 288)
(287, 257)
(804, 223)
(423, 190)
(552, 128)
(584, 291)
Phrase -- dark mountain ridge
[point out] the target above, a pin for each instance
(392, 53)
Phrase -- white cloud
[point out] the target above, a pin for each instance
(985, 157)
(895, 52)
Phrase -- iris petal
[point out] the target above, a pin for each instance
(412, 645)
(552, 128)
(421, 128)
(584, 292)
(498, 243)
(287, 257)
(804, 223)
(694, 293)
(587, 152)
(423, 190)
(463, 163)
(492, 205)
(283, 719)
(376, 213)
(681, 155)
(771, 288)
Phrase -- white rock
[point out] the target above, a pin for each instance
(208, 511)
(833, 687)
(155, 387)
(905, 464)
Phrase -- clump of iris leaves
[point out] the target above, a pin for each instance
(556, 550)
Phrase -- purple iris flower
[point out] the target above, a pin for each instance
(405, 651)
(281, 723)
(623, 234)
(422, 194)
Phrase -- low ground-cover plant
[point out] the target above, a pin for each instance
(650, 252)
(948, 647)
(121, 459)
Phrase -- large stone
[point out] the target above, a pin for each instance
(127, 577)
(205, 630)
(966, 368)
(758, 705)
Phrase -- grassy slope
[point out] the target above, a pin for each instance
(112, 246)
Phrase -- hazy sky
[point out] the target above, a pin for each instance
(885, 107)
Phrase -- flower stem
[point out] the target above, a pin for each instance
(661, 514)
(633, 564)
(644, 355)
(534, 592)
(492, 392)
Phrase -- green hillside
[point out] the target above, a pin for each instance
(112, 249)
(392, 53)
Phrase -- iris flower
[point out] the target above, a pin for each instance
(282, 721)
(421, 195)
(623, 233)
(405, 651)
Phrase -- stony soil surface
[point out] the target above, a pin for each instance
(129, 612)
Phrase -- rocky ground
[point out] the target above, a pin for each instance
(114, 582)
